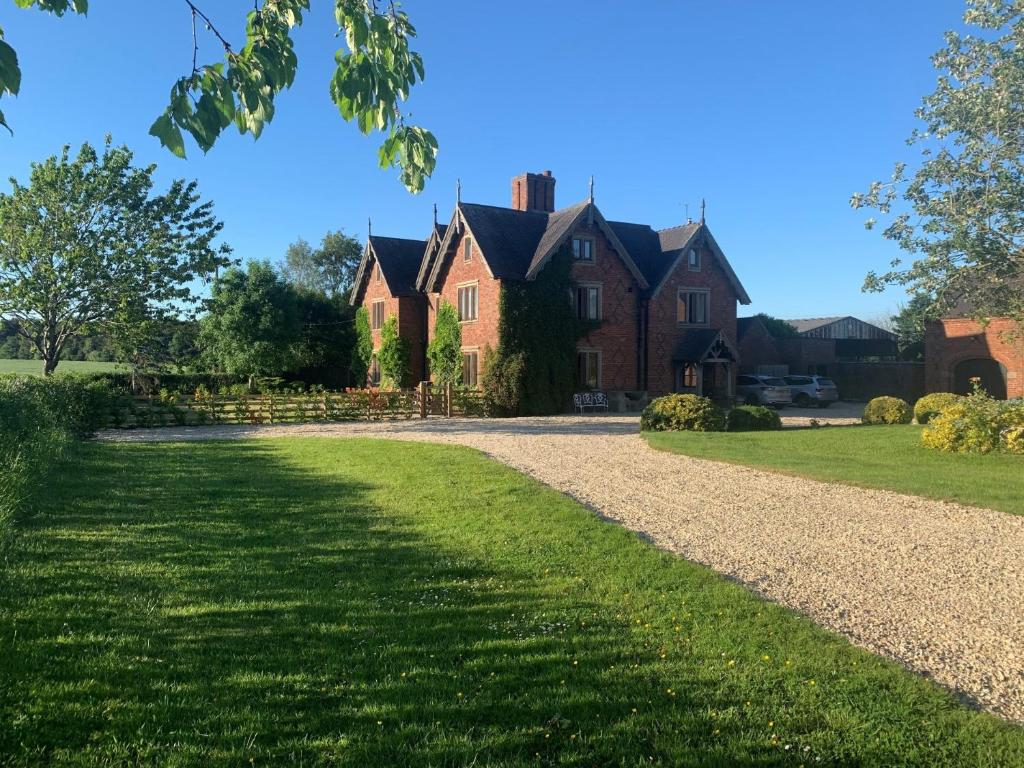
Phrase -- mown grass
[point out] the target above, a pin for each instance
(888, 457)
(35, 367)
(365, 603)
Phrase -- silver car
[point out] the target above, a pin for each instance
(763, 390)
(812, 390)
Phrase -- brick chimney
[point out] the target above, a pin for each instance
(534, 192)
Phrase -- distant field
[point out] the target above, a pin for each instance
(35, 367)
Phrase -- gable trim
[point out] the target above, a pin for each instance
(362, 275)
(710, 241)
(593, 213)
(459, 223)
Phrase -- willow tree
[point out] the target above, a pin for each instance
(959, 214)
(373, 75)
(87, 246)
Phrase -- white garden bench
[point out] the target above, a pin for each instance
(592, 400)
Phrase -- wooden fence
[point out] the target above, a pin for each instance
(297, 408)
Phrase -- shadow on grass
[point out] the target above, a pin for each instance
(222, 606)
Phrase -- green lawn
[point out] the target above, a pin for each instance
(887, 457)
(35, 367)
(362, 603)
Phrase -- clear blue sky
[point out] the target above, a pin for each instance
(775, 112)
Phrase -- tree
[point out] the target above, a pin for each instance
(88, 247)
(445, 349)
(393, 356)
(327, 337)
(329, 269)
(362, 351)
(909, 326)
(252, 326)
(779, 329)
(373, 76)
(960, 215)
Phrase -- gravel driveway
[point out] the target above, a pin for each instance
(935, 585)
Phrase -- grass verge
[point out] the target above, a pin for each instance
(35, 367)
(353, 602)
(887, 457)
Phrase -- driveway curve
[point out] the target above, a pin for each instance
(934, 585)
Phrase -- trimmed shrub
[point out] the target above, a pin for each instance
(887, 410)
(930, 406)
(977, 424)
(752, 418)
(690, 413)
(39, 418)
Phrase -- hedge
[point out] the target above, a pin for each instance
(39, 419)
(690, 413)
(887, 410)
(930, 406)
(752, 418)
(977, 424)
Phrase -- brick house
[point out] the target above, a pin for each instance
(666, 300)
(958, 349)
(385, 284)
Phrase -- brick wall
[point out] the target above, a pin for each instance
(664, 334)
(616, 338)
(375, 290)
(482, 332)
(757, 348)
(949, 342)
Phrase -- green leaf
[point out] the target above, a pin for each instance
(169, 134)
(10, 72)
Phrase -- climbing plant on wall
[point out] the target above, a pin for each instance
(362, 352)
(393, 356)
(445, 349)
(534, 366)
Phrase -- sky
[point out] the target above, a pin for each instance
(772, 112)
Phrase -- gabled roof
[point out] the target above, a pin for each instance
(745, 324)
(560, 226)
(644, 246)
(810, 323)
(697, 344)
(399, 260)
(429, 254)
(676, 241)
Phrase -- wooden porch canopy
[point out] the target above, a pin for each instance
(706, 345)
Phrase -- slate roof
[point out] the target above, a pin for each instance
(508, 238)
(695, 345)
(644, 246)
(399, 261)
(743, 326)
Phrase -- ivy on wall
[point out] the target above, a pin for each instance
(533, 370)
(362, 352)
(445, 349)
(393, 356)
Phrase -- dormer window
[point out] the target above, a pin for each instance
(693, 259)
(467, 249)
(583, 249)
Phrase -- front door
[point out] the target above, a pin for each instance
(717, 381)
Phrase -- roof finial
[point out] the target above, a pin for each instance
(458, 190)
(369, 227)
(687, 207)
(702, 205)
(591, 189)
(435, 214)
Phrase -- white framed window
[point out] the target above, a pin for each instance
(588, 301)
(467, 249)
(470, 367)
(468, 298)
(377, 314)
(692, 306)
(583, 249)
(588, 365)
(693, 260)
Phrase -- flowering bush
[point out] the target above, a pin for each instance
(887, 410)
(977, 424)
(752, 418)
(691, 413)
(930, 406)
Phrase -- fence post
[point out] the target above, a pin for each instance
(424, 393)
(448, 399)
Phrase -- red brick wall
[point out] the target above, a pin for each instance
(378, 290)
(616, 338)
(758, 347)
(948, 342)
(483, 331)
(664, 334)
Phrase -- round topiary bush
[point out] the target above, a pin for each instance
(691, 413)
(752, 418)
(930, 406)
(887, 410)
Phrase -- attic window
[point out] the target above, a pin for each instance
(583, 249)
(693, 260)
(467, 249)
